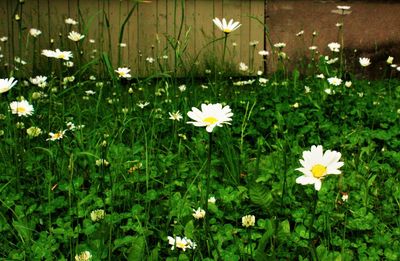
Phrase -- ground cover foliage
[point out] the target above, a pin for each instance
(106, 167)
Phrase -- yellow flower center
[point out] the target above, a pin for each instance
(210, 120)
(318, 171)
(227, 30)
(57, 135)
(180, 244)
(21, 109)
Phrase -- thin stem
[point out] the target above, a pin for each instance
(223, 54)
(208, 182)
(312, 221)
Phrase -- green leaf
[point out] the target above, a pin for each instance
(136, 252)
(260, 195)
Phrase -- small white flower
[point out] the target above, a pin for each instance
(263, 53)
(248, 221)
(328, 91)
(142, 104)
(263, 80)
(364, 62)
(332, 61)
(56, 136)
(389, 60)
(122, 45)
(70, 21)
(3, 39)
(212, 200)
(334, 47)
(90, 92)
(123, 72)
(182, 88)
(19, 60)
(175, 116)
(35, 32)
(150, 60)
(345, 196)
(243, 67)
(320, 76)
(313, 48)
(307, 89)
(339, 25)
(74, 36)
(280, 45)
(39, 81)
(300, 33)
(199, 213)
(335, 81)
(348, 84)
(253, 43)
(182, 243)
(343, 7)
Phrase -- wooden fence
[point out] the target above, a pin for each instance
(145, 34)
(371, 25)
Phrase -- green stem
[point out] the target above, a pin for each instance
(206, 228)
(315, 199)
(223, 54)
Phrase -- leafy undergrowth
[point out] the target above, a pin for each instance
(146, 173)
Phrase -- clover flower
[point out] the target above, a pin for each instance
(248, 221)
(33, 131)
(199, 213)
(97, 215)
(83, 256)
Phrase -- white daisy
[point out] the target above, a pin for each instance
(74, 36)
(210, 116)
(123, 72)
(21, 108)
(7, 84)
(226, 27)
(316, 165)
(364, 62)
